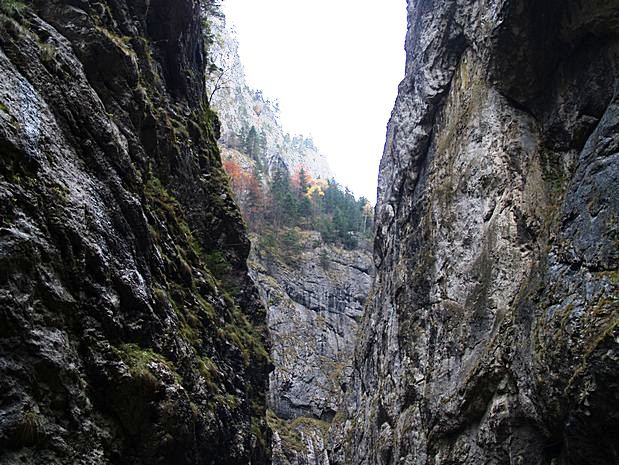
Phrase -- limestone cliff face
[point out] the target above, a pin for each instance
(316, 298)
(315, 295)
(120, 341)
(491, 336)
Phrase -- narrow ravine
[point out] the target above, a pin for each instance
(314, 283)
(184, 282)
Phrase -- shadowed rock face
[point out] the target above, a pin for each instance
(129, 330)
(491, 336)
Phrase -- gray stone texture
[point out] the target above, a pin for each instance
(315, 301)
(491, 334)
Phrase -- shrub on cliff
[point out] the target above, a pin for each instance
(11, 7)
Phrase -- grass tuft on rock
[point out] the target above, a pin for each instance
(139, 361)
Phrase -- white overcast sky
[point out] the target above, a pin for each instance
(334, 66)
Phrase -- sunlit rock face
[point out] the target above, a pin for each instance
(491, 335)
(315, 301)
(119, 342)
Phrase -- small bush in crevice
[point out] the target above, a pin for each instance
(29, 429)
(11, 7)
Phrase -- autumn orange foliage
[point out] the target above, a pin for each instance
(248, 191)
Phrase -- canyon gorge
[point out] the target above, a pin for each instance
(184, 282)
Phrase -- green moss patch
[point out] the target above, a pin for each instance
(121, 42)
(138, 360)
(290, 437)
(240, 332)
(290, 432)
(166, 204)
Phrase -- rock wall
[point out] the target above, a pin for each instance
(315, 295)
(130, 332)
(491, 336)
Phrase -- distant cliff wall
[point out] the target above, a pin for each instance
(241, 107)
(315, 295)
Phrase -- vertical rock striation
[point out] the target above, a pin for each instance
(120, 342)
(315, 301)
(491, 336)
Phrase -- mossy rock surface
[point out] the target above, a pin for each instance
(127, 343)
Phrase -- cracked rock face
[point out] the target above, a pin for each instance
(491, 335)
(315, 301)
(118, 343)
(301, 442)
(314, 308)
